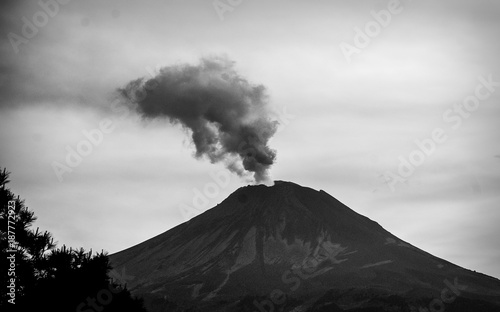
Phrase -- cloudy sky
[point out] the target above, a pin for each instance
(353, 91)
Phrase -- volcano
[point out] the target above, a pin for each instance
(291, 248)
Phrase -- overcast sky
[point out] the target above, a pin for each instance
(350, 108)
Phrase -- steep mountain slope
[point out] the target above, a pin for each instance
(289, 247)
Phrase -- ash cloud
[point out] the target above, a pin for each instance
(226, 115)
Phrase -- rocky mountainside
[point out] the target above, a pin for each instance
(292, 248)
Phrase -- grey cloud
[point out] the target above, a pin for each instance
(226, 115)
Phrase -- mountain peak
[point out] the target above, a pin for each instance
(280, 190)
(255, 240)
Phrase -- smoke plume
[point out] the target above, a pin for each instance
(226, 115)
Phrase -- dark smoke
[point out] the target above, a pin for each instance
(227, 116)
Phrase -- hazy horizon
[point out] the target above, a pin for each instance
(422, 88)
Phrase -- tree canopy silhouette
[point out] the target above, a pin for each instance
(46, 278)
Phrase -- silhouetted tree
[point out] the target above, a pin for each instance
(49, 278)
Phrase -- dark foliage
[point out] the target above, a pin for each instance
(47, 278)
